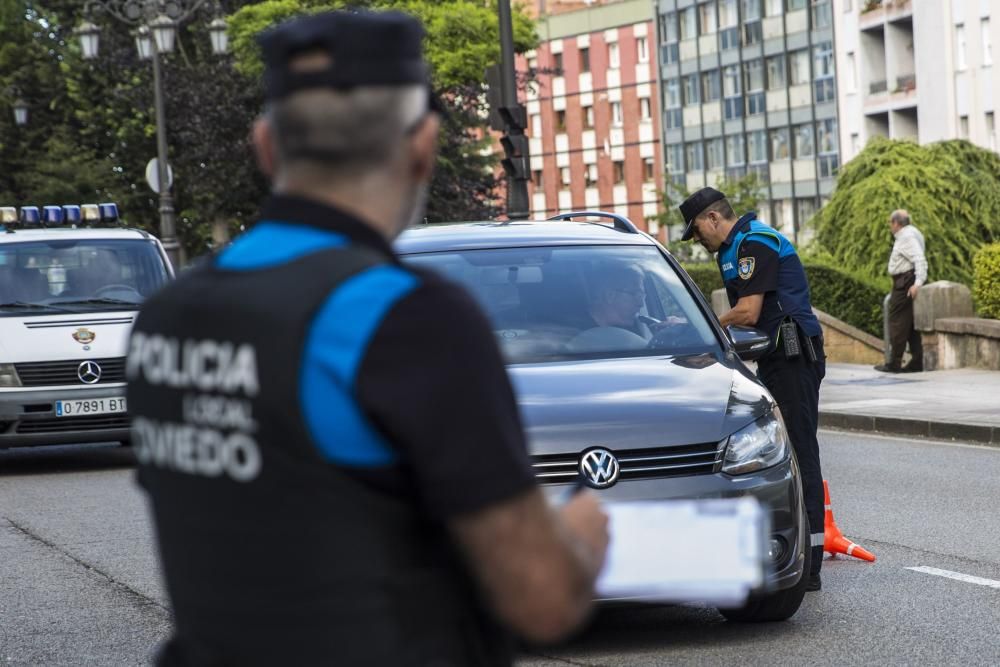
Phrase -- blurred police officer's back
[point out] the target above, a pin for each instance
(331, 445)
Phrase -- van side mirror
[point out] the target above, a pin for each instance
(750, 343)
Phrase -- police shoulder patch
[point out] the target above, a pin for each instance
(746, 266)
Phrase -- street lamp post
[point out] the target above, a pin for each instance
(156, 23)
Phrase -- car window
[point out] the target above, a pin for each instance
(552, 303)
(79, 275)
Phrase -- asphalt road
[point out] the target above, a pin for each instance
(79, 582)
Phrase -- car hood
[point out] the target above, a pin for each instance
(635, 403)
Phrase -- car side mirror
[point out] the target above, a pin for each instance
(750, 343)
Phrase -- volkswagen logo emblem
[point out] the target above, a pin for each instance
(599, 468)
(89, 372)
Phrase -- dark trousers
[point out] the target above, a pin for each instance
(794, 383)
(901, 329)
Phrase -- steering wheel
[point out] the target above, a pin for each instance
(116, 287)
(673, 336)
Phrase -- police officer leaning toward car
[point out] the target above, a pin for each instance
(329, 439)
(767, 289)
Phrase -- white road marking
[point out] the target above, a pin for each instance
(873, 403)
(957, 576)
(911, 440)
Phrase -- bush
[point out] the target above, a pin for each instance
(986, 281)
(843, 295)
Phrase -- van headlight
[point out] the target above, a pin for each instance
(759, 445)
(8, 376)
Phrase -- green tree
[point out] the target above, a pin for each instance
(951, 189)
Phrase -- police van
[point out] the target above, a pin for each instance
(72, 279)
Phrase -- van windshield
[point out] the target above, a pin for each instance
(553, 303)
(78, 275)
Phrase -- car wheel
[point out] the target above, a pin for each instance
(778, 606)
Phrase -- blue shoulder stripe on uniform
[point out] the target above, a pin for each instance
(767, 238)
(271, 244)
(335, 345)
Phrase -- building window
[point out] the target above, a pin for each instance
(753, 83)
(642, 48)
(729, 20)
(960, 63)
(590, 175)
(619, 171)
(774, 7)
(779, 144)
(668, 27)
(821, 16)
(565, 176)
(689, 23)
(557, 63)
(776, 79)
(804, 145)
(588, 117)
(825, 87)
(672, 93)
(710, 86)
(675, 161)
(616, 113)
(806, 209)
(796, 4)
(692, 93)
(735, 150)
(827, 143)
(675, 119)
(799, 66)
(706, 18)
(695, 158)
(648, 169)
(984, 29)
(855, 143)
(733, 92)
(536, 178)
(614, 56)
(757, 146)
(991, 131)
(536, 125)
(714, 158)
(852, 73)
(963, 127)
(752, 30)
(561, 120)
(584, 59)
(645, 109)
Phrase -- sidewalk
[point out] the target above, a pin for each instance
(959, 404)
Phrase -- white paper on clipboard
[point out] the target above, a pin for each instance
(711, 551)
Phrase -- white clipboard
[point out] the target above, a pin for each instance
(711, 551)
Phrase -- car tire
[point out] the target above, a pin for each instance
(778, 606)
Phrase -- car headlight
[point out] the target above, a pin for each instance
(759, 445)
(8, 376)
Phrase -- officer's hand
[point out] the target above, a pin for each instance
(588, 523)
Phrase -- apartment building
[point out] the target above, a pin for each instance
(751, 86)
(916, 69)
(593, 113)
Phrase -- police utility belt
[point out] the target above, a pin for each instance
(793, 342)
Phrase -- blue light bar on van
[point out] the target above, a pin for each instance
(109, 212)
(30, 216)
(90, 213)
(72, 213)
(52, 216)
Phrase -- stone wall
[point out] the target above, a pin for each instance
(951, 336)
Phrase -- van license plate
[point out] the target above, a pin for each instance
(90, 406)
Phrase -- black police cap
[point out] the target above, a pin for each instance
(694, 205)
(365, 49)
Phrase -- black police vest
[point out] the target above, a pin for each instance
(272, 555)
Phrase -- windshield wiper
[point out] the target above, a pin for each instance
(25, 305)
(101, 302)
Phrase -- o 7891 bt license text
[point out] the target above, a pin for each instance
(90, 406)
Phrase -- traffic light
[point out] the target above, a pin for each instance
(515, 144)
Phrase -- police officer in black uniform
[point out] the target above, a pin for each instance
(329, 439)
(767, 289)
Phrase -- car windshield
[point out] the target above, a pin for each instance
(78, 275)
(565, 302)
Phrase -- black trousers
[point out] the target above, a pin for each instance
(794, 383)
(901, 329)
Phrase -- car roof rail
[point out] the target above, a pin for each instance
(622, 223)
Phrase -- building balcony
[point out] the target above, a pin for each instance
(884, 96)
(875, 13)
(878, 87)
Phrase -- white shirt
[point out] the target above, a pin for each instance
(908, 253)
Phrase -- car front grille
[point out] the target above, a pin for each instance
(654, 462)
(47, 373)
(66, 424)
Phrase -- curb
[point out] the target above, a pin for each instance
(921, 428)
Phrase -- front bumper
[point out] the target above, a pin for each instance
(778, 489)
(28, 418)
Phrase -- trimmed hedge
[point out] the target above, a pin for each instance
(986, 281)
(843, 295)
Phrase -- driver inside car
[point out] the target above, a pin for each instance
(616, 298)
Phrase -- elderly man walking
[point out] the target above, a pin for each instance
(908, 270)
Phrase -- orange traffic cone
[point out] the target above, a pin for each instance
(834, 541)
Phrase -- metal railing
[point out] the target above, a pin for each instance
(877, 87)
(906, 82)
